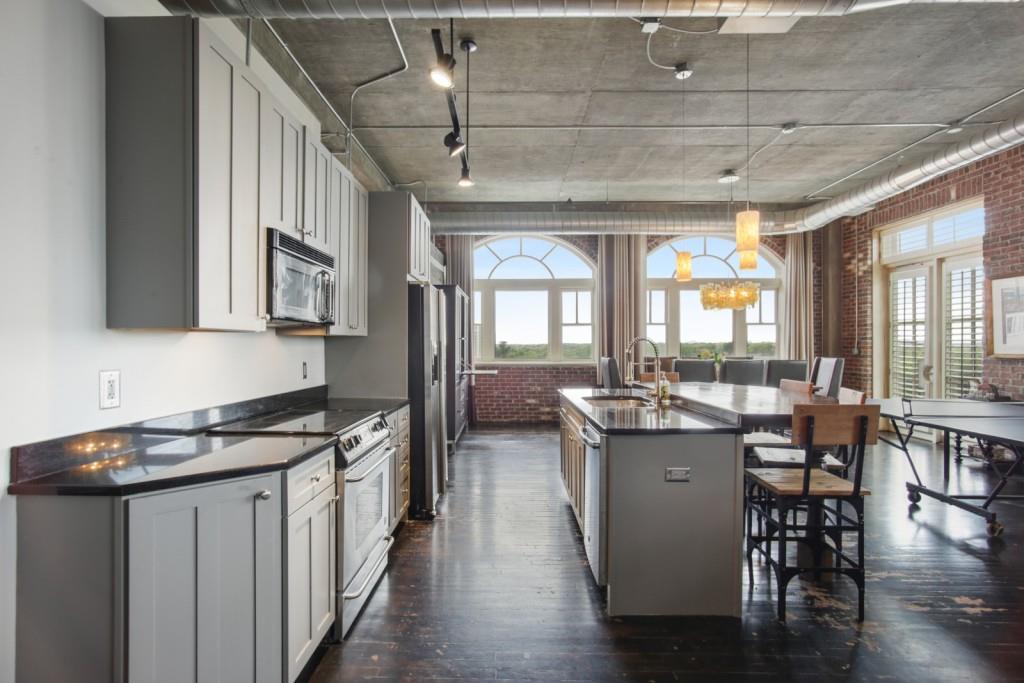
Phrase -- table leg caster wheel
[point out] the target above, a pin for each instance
(994, 529)
(914, 497)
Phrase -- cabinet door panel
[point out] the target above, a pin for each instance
(311, 578)
(227, 231)
(204, 583)
(318, 162)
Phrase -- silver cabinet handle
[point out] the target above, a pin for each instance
(264, 495)
(317, 477)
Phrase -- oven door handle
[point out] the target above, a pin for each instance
(369, 577)
(351, 480)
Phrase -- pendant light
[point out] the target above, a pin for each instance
(684, 266)
(684, 259)
(466, 180)
(748, 222)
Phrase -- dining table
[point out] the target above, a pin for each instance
(750, 407)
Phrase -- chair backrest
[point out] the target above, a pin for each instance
(610, 377)
(779, 370)
(820, 425)
(851, 396)
(792, 386)
(691, 370)
(827, 375)
(651, 377)
(750, 372)
(665, 363)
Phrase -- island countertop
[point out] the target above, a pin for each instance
(641, 420)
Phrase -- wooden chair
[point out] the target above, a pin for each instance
(776, 498)
(651, 377)
(793, 386)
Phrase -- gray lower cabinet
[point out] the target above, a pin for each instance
(204, 594)
(310, 549)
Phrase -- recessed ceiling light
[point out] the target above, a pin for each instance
(441, 73)
(683, 71)
(466, 180)
(454, 143)
(728, 176)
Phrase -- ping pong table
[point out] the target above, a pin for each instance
(988, 423)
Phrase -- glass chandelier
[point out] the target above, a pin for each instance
(729, 295)
(748, 223)
(684, 266)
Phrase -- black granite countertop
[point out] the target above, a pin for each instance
(384, 405)
(617, 420)
(137, 463)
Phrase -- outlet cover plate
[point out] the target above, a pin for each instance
(677, 474)
(110, 389)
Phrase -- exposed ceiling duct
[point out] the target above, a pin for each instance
(489, 9)
(992, 140)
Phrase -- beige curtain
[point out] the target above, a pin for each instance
(459, 271)
(797, 322)
(622, 261)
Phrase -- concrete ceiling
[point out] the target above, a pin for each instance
(570, 108)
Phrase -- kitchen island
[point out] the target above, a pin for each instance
(657, 494)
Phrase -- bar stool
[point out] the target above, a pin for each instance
(774, 495)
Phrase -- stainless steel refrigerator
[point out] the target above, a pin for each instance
(427, 427)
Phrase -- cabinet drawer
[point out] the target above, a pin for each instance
(307, 480)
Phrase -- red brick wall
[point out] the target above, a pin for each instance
(526, 393)
(1000, 180)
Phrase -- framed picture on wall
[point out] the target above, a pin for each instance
(1008, 317)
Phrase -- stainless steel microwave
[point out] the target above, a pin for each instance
(300, 282)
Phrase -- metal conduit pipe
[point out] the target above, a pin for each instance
(489, 9)
(992, 140)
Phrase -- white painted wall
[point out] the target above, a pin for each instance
(53, 341)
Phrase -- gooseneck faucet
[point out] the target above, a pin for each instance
(657, 363)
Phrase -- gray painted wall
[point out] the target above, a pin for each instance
(54, 342)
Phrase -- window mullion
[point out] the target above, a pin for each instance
(554, 323)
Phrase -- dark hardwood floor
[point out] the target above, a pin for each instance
(497, 588)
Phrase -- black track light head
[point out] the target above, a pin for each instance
(466, 180)
(454, 143)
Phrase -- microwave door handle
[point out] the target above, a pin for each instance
(330, 298)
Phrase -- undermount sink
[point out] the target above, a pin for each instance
(618, 402)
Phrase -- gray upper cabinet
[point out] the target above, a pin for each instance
(184, 133)
(205, 591)
(348, 224)
(318, 169)
(419, 241)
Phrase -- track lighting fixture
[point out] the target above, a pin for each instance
(466, 180)
(441, 73)
(728, 176)
(454, 143)
(683, 71)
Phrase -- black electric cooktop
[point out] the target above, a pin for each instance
(299, 421)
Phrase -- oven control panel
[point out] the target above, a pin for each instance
(364, 436)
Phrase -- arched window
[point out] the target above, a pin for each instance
(677, 321)
(533, 301)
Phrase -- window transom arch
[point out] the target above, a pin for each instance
(533, 300)
(679, 324)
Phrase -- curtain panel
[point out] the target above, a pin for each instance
(797, 328)
(622, 262)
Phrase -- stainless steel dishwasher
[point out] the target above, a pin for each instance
(594, 503)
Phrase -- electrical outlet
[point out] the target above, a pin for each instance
(305, 370)
(110, 389)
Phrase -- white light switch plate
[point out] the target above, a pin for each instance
(110, 389)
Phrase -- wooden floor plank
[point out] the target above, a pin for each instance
(497, 589)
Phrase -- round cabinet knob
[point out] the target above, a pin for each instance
(263, 495)
(317, 477)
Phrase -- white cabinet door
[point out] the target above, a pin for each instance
(228, 191)
(318, 163)
(204, 583)
(310, 556)
(349, 240)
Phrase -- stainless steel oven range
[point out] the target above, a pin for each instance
(364, 484)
